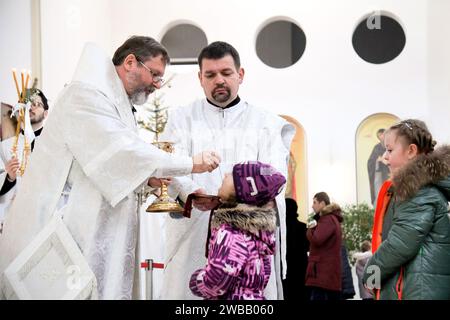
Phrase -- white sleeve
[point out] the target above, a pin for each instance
(111, 154)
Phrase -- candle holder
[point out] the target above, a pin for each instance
(21, 112)
(156, 123)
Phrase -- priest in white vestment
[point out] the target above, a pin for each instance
(239, 132)
(91, 147)
(8, 177)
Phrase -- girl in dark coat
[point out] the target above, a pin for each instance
(411, 235)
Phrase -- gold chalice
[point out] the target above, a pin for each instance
(164, 203)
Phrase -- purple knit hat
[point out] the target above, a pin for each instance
(257, 183)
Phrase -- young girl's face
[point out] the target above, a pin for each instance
(226, 190)
(398, 153)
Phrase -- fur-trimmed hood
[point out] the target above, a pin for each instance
(433, 168)
(246, 217)
(334, 209)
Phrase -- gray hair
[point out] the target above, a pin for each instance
(142, 47)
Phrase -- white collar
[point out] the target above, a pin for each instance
(215, 109)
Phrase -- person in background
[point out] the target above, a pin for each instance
(361, 259)
(411, 232)
(348, 289)
(324, 271)
(297, 247)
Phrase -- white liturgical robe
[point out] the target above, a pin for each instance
(5, 156)
(91, 146)
(239, 133)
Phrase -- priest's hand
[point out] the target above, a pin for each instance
(12, 166)
(205, 161)
(156, 182)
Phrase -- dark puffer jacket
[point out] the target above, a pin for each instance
(414, 256)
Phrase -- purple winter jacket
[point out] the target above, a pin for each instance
(241, 243)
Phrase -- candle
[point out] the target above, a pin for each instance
(23, 85)
(27, 79)
(16, 83)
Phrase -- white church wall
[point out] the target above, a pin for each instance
(15, 38)
(66, 27)
(330, 90)
(439, 69)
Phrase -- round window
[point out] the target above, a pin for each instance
(378, 39)
(280, 44)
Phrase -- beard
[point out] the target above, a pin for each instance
(221, 96)
(138, 91)
(37, 118)
(140, 96)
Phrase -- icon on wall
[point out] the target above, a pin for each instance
(371, 170)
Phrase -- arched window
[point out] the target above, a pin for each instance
(184, 42)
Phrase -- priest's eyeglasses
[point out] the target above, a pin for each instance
(156, 78)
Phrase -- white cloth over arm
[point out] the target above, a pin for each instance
(111, 155)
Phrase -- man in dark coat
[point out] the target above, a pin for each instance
(324, 271)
